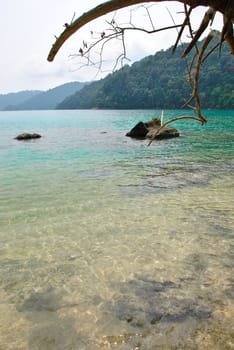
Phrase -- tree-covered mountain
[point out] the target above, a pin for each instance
(47, 99)
(15, 98)
(159, 81)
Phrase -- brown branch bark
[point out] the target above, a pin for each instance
(87, 17)
(206, 20)
(228, 34)
(224, 6)
(186, 22)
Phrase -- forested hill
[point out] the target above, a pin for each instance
(159, 81)
(15, 98)
(43, 99)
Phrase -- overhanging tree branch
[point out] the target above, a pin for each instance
(226, 7)
(87, 17)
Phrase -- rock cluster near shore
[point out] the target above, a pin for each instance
(141, 130)
(147, 130)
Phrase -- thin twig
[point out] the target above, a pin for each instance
(186, 21)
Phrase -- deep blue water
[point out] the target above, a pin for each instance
(108, 243)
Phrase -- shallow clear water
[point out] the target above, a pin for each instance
(106, 243)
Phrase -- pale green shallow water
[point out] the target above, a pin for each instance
(106, 243)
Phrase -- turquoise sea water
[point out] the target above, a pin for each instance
(106, 243)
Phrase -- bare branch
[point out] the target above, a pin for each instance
(87, 17)
(190, 26)
(186, 22)
(113, 5)
(205, 22)
(118, 33)
(168, 122)
(228, 34)
(151, 21)
(115, 31)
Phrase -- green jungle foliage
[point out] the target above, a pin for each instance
(159, 81)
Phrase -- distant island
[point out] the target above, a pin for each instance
(37, 100)
(156, 82)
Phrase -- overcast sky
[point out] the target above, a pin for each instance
(28, 29)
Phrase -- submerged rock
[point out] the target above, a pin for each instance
(27, 136)
(144, 302)
(147, 130)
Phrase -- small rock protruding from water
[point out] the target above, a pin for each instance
(147, 130)
(27, 136)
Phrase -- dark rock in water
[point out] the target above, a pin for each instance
(139, 131)
(27, 136)
(155, 122)
(147, 130)
(165, 133)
